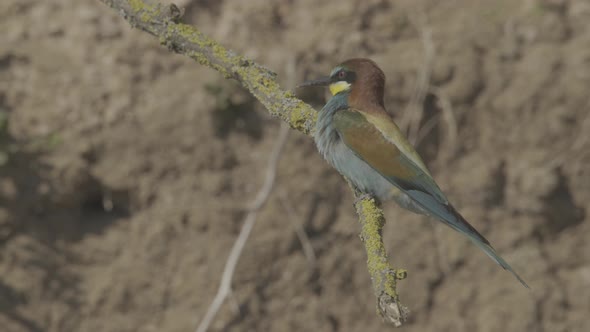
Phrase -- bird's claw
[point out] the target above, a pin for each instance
(362, 197)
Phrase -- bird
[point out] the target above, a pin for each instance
(357, 137)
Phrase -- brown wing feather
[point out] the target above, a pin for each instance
(384, 156)
(367, 141)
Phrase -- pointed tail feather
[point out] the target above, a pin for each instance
(462, 226)
(487, 248)
(448, 215)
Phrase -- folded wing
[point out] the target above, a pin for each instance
(384, 152)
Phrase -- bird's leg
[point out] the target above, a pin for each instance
(361, 197)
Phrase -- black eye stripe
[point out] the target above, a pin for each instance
(344, 75)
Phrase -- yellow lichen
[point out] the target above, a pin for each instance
(372, 226)
(299, 116)
(146, 11)
(137, 5)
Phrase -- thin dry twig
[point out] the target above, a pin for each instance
(299, 230)
(450, 136)
(261, 198)
(413, 113)
(426, 128)
(446, 151)
(449, 118)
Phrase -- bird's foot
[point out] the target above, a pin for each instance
(362, 197)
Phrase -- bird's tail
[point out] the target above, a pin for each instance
(489, 250)
(446, 213)
(461, 225)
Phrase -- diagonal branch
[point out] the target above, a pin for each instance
(163, 21)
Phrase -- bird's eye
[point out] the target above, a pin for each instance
(341, 75)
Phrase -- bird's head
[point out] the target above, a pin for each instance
(361, 79)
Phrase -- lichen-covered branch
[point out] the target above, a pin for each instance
(383, 276)
(163, 21)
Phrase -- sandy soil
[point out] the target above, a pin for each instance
(129, 168)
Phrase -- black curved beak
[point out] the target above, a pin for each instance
(324, 81)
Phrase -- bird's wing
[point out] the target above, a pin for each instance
(375, 139)
(392, 156)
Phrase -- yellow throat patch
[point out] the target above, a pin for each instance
(339, 87)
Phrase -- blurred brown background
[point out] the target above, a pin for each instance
(126, 168)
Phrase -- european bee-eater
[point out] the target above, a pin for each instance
(357, 136)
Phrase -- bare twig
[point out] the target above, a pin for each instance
(410, 121)
(299, 230)
(449, 118)
(163, 21)
(426, 128)
(232, 260)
